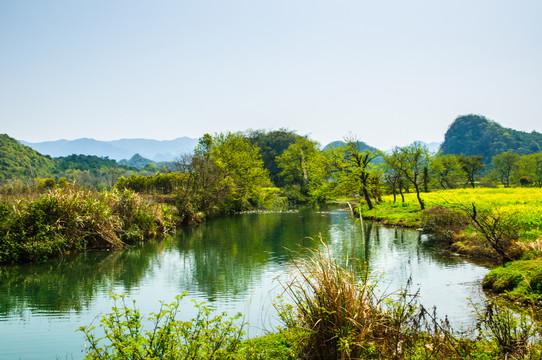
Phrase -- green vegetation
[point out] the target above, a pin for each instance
(519, 281)
(21, 162)
(66, 220)
(476, 135)
(331, 310)
(207, 336)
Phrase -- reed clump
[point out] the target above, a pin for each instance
(65, 220)
(337, 308)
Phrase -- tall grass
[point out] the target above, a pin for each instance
(66, 220)
(336, 306)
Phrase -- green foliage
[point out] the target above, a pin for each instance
(304, 166)
(513, 335)
(156, 184)
(354, 172)
(476, 135)
(519, 281)
(446, 171)
(21, 162)
(66, 220)
(504, 165)
(207, 336)
(224, 175)
(281, 345)
(410, 163)
(272, 144)
(443, 224)
(472, 167)
(243, 167)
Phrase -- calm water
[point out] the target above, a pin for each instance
(231, 263)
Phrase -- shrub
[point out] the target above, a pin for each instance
(442, 223)
(66, 219)
(207, 336)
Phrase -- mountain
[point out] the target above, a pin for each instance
(156, 150)
(18, 161)
(361, 146)
(432, 146)
(476, 135)
(137, 161)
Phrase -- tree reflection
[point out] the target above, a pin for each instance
(71, 283)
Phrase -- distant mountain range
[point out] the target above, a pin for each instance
(155, 150)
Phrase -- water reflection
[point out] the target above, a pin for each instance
(229, 262)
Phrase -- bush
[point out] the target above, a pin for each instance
(442, 223)
(207, 336)
(66, 220)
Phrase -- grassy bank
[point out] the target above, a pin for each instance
(502, 225)
(66, 220)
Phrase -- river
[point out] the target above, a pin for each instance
(232, 263)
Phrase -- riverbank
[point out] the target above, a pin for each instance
(502, 225)
(68, 220)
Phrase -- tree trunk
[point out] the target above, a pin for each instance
(367, 198)
(422, 204)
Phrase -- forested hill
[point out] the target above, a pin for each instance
(18, 161)
(22, 163)
(477, 135)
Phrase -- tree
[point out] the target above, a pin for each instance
(272, 144)
(500, 230)
(243, 163)
(411, 161)
(353, 169)
(472, 167)
(304, 165)
(393, 175)
(504, 165)
(446, 170)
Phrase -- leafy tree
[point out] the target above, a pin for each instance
(472, 167)
(393, 175)
(304, 165)
(446, 170)
(504, 165)
(272, 144)
(242, 163)
(529, 170)
(353, 169)
(411, 161)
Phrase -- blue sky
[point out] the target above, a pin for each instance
(389, 72)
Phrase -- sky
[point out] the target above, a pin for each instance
(387, 72)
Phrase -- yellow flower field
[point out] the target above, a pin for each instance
(526, 203)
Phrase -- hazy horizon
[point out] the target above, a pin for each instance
(389, 72)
